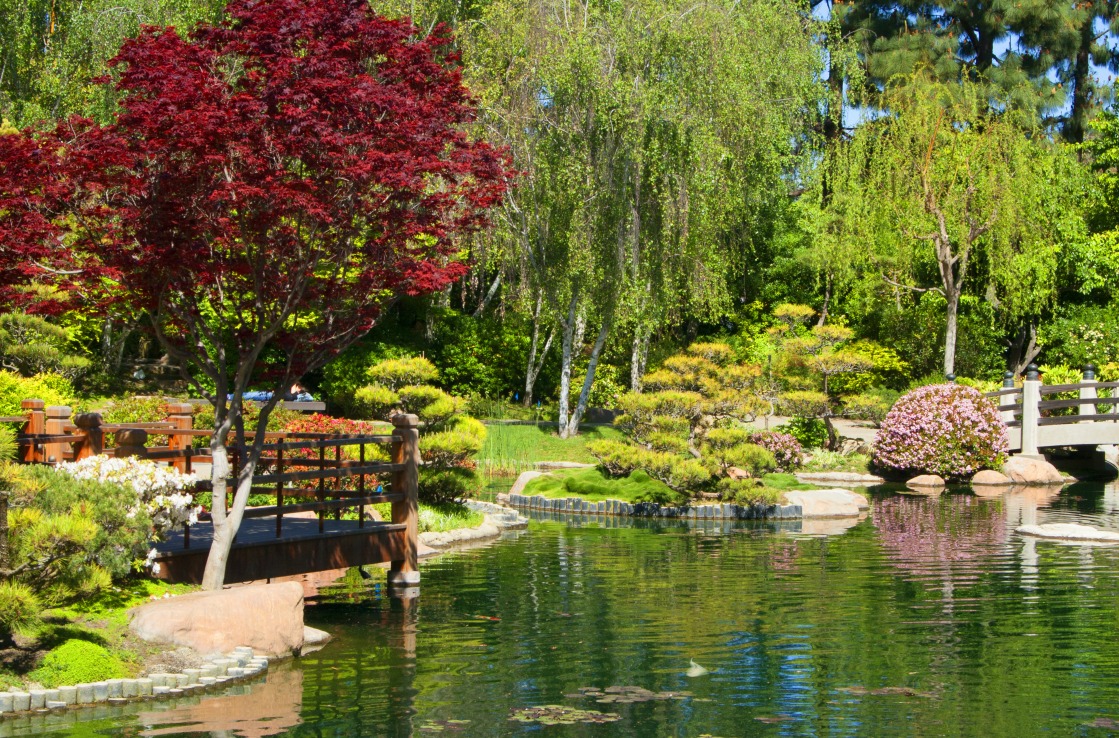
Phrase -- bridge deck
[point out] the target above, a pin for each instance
(258, 554)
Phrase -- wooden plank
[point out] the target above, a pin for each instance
(1077, 402)
(1000, 393)
(1079, 420)
(327, 473)
(339, 504)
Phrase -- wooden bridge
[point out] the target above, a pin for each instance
(1081, 414)
(311, 479)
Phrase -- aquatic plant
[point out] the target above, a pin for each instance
(944, 429)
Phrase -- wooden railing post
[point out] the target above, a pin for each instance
(131, 442)
(406, 450)
(57, 418)
(1007, 383)
(1031, 396)
(36, 425)
(1088, 390)
(181, 417)
(92, 441)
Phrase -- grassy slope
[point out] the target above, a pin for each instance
(438, 518)
(510, 449)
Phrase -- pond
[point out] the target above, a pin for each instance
(930, 617)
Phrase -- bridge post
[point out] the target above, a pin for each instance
(57, 418)
(406, 450)
(36, 425)
(1007, 383)
(1031, 396)
(131, 442)
(1088, 390)
(181, 416)
(92, 441)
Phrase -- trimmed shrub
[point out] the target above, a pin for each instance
(619, 459)
(749, 457)
(431, 404)
(397, 373)
(373, 401)
(438, 486)
(871, 405)
(787, 452)
(944, 429)
(747, 492)
(78, 662)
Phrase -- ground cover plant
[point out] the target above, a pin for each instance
(510, 449)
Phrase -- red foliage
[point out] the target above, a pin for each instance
(30, 196)
(274, 181)
(319, 423)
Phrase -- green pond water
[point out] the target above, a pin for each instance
(931, 617)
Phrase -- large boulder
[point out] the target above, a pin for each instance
(926, 480)
(827, 503)
(1025, 470)
(990, 477)
(266, 617)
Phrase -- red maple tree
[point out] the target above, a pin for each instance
(273, 183)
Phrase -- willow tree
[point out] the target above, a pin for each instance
(942, 186)
(641, 177)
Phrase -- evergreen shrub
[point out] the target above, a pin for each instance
(944, 429)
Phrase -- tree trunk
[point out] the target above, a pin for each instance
(532, 369)
(489, 296)
(1081, 82)
(227, 522)
(639, 357)
(572, 427)
(950, 331)
(567, 357)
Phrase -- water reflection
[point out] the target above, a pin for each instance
(266, 709)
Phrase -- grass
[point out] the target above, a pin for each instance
(439, 518)
(785, 482)
(511, 449)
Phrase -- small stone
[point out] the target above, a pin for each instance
(85, 694)
(236, 671)
(6, 702)
(145, 687)
(206, 681)
(68, 695)
(37, 699)
(116, 688)
(192, 675)
(160, 679)
(100, 691)
(21, 701)
(118, 701)
(990, 477)
(56, 705)
(926, 480)
(210, 670)
(160, 689)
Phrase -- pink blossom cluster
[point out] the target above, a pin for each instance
(786, 449)
(945, 429)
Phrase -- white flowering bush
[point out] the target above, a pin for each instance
(165, 493)
(944, 429)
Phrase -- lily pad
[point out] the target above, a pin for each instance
(626, 695)
(560, 715)
(441, 726)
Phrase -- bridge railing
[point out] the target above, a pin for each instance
(1035, 422)
(321, 473)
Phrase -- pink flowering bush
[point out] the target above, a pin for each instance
(945, 429)
(786, 449)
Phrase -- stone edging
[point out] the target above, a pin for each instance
(241, 664)
(497, 519)
(717, 511)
